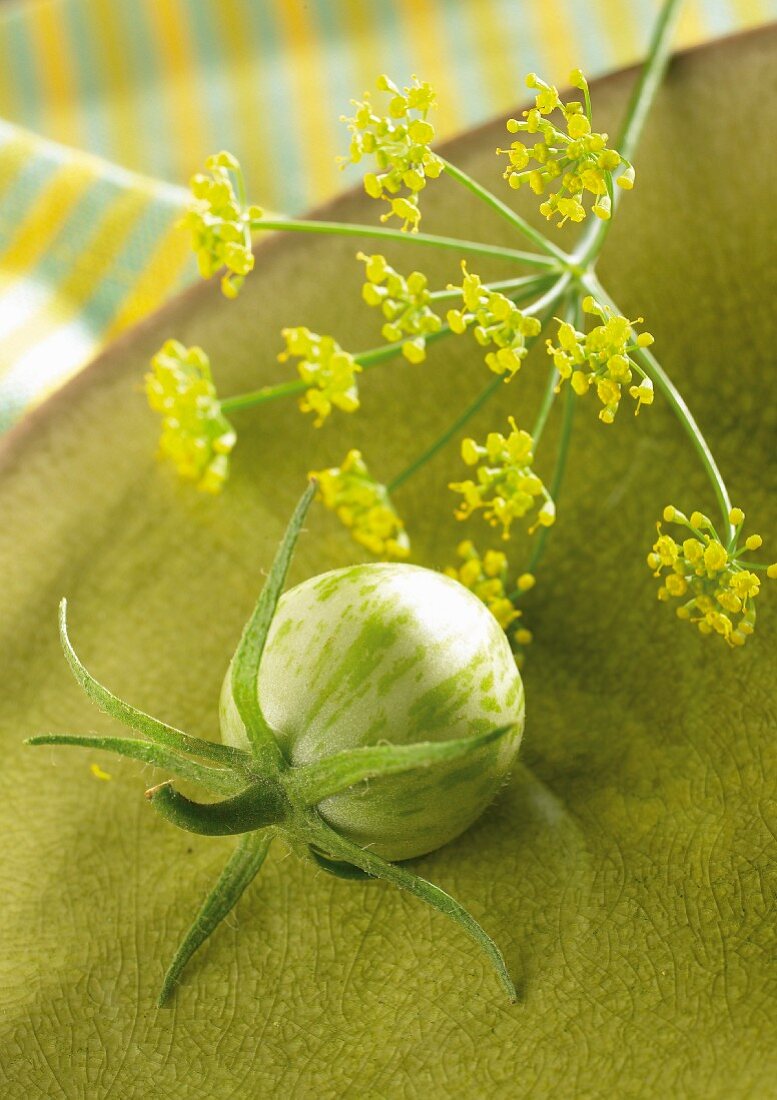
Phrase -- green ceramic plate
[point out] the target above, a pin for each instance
(628, 870)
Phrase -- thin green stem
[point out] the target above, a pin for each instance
(573, 315)
(515, 220)
(374, 356)
(544, 304)
(524, 281)
(650, 78)
(344, 229)
(548, 397)
(637, 111)
(485, 394)
(263, 396)
(663, 382)
(240, 871)
(558, 475)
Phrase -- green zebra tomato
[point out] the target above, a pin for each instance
(389, 654)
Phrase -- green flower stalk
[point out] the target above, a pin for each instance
(575, 170)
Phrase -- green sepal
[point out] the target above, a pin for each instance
(156, 731)
(313, 782)
(242, 867)
(248, 656)
(255, 807)
(219, 780)
(337, 867)
(339, 849)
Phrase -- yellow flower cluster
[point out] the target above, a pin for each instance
(364, 506)
(399, 142)
(329, 371)
(716, 587)
(486, 577)
(497, 321)
(579, 157)
(404, 303)
(196, 436)
(601, 358)
(219, 222)
(506, 485)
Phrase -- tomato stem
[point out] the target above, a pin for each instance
(261, 804)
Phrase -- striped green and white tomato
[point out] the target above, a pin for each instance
(389, 654)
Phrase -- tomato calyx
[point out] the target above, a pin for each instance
(259, 794)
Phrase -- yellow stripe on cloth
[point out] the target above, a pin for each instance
(44, 220)
(56, 72)
(47, 347)
(110, 54)
(15, 154)
(184, 91)
(424, 27)
(162, 273)
(319, 130)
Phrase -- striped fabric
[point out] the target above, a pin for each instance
(108, 106)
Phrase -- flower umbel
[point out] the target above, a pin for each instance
(579, 158)
(404, 303)
(330, 371)
(506, 487)
(196, 436)
(486, 577)
(364, 506)
(219, 221)
(498, 322)
(716, 586)
(601, 358)
(399, 142)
